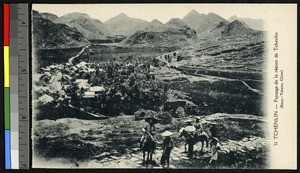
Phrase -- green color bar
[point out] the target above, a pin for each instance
(6, 108)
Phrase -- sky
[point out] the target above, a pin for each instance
(162, 12)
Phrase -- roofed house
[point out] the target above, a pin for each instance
(45, 77)
(65, 87)
(41, 90)
(91, 70)
(67, 77)
(81, 81)
(74, 68)
(46, 69)
(84, 85)
(44, 99)
(89, 94)
(96, 89)
(81, 64)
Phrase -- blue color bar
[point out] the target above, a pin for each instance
(7, 150)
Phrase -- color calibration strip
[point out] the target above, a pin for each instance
(6, 29)
(16, 85)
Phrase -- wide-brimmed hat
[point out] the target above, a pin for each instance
(150, 117)
(188, 121)
(190, 128)
(214, 138)
(167, 133)
(152, 120)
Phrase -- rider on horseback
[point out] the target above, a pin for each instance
(198, 125)
(145, 135)
(188, 133)
(200, 130)
(147, 144)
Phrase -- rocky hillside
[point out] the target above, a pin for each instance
(90, 28)
(201, 22)
(124, 25)
(235, 28)
(174, 32)
(257, 24)
(49, 35)
(49, 16)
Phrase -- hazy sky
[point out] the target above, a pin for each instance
(162, 12)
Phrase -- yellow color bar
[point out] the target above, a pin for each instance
(6, 66)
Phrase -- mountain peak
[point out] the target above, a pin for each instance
(155, 21)
(193, 12)
(122, 15)
(49, 16)
(237, 22)
(72, 16)
(237, 27)
(125, 25)
(98, 21)
(233, 18)
(212, 14)
(175, 21)
(77, 14)
(192, 16)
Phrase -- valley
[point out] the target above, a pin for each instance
(90, 88)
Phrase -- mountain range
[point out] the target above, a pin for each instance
(49, 35)
(201, 22)
(257, 24)
(90, 28)
(224, 28)
(175, 31)
(77, 28)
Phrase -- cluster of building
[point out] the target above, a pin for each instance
(54, 82)
(86, 80)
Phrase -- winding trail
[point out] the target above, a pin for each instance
(220, 78)
(77, 55)
(207, 76)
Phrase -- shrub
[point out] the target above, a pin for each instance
(180, 112)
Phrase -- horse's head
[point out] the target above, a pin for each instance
(149, 137)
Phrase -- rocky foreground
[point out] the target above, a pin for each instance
(113, 143)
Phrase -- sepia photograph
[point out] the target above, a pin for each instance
(150, 86)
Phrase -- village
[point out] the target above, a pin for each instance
(121, 85)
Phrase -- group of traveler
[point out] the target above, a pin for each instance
(193, 132)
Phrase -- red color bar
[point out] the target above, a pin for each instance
(6, 24)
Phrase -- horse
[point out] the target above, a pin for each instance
(148, 145)
(195, 138)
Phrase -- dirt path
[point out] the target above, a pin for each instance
(219, 78)
(77, 55)
(178, 158)
(97, 135)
